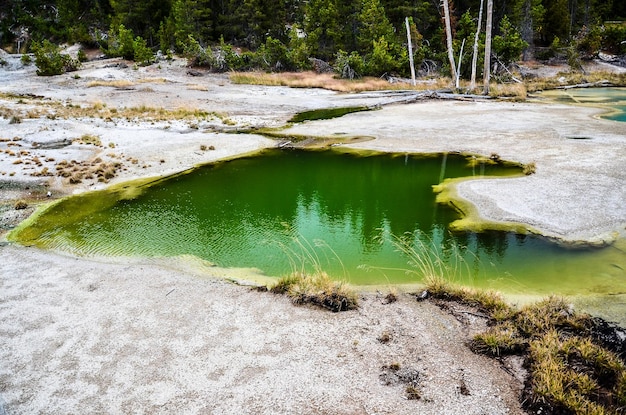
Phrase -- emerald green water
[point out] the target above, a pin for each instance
(325, 113)
(613, 99)
(343, 208)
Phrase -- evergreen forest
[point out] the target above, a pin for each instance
(354, 37)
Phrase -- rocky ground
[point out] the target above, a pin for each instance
(132, 336)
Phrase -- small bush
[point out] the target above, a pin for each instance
(121, 42)
(349, 66)
(142, 54)
(197, 55)
(297, 51)
(50, 61)
(383, 59)
(229, 59)
(508, 45)
(273, 54)
(613, 39)
(26, 59)
(82, 56)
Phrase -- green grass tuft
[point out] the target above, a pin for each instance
(568, 372)
(502, 339)
(309, 284)
(318, 289)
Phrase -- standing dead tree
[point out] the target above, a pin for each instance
(488, 28)
(446, 16)
(475, 55)
(410, 46)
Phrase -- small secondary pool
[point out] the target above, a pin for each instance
(613, 99)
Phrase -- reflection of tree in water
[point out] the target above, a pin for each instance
(494, 243)
(232, 207)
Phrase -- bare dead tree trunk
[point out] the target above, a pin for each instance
(527, 31)
(475, 55)
(487, 68)
(458, 69)
(410, 46)
(446, 16)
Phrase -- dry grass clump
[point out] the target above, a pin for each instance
(141, 113)
(573, 375)
(42, 173)
(20, 205)
(568, 371)
(120, 83)
(308, 283)
(196, 87)
(517, 91)
(513, 330)
(152, 81)
(529, 169)
(328, 81)
(486, 300)
(98, 170)
(500, 340)
(552, 313)
(575, 78)
(318, 289)
(89, 139)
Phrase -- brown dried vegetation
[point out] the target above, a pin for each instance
(97, 169)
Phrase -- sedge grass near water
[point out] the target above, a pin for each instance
(308, 283)
(569, 371)
(432, 263)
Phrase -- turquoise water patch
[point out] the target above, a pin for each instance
(613, 99)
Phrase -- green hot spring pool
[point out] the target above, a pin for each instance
(282, 208)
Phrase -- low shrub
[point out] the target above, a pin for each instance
(197, 55)
(50, 61)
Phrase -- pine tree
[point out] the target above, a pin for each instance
(557, 20)
(250, 22)
(142, 17)
(424, 13)
(191, 17)
(373, 25)
(322, 28)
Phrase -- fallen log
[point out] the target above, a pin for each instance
(598, 84)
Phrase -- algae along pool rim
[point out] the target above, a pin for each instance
(283, 210)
